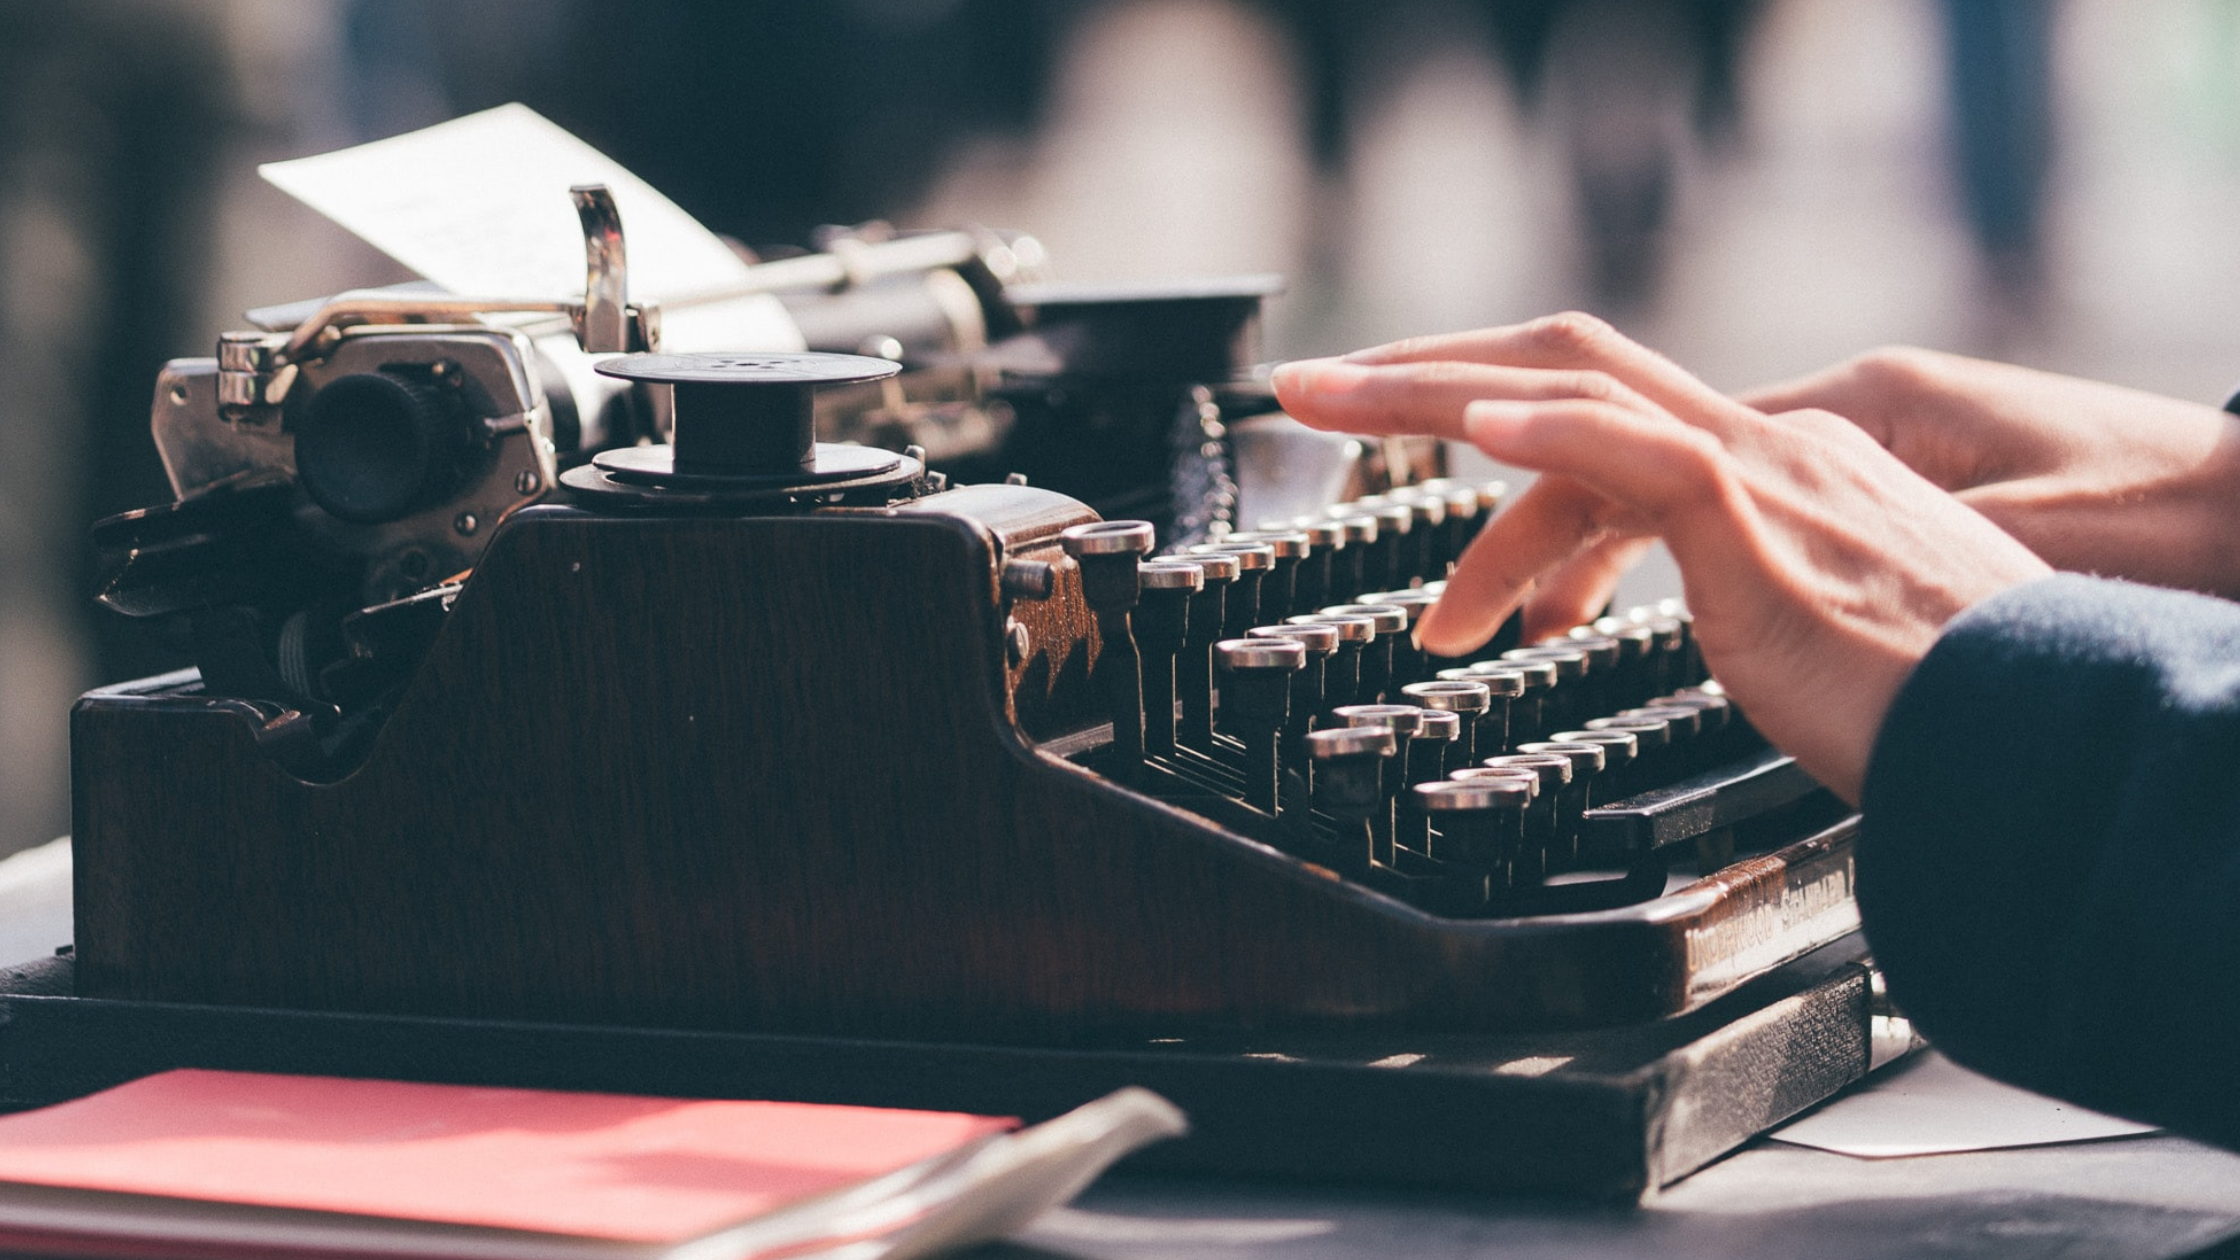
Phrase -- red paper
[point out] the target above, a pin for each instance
(654, 1170)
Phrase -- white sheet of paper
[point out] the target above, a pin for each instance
(1930, 1105)
(480, 205)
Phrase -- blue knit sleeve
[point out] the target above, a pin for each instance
(2049, 870)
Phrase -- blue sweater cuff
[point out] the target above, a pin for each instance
(2049, 869)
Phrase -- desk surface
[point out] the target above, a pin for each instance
(2128, 1198)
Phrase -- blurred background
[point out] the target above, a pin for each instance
(1756, 187)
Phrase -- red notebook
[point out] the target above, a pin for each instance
(647, 1173)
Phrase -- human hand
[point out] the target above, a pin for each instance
(1819, 568)
(2093, 477)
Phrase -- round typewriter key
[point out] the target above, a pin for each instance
(1686, 721)
(1466, 698)
(1480, 831)
(1254, 562)
(1490, 497)
(1286, 544)
(1690, 751)
(1354, 634)
(1650, 734)
(1671, 655)
(1390, 563)
(1408, 659)
(1309, 687)
(1544, 822)
(1320, 637)
(1171, 575)
(1655, 760)
(1463, 520)
(1350, 571)
(1162, 627)
(1636, 644)
(1565, 704)
(1252, 557)
(1349, 787)
(1325, 538)
(1475, 793)
(1347, 741)
(1427, 551)
(1527, 711)
(1553, 771)
(1193, 671)
(1255, 701)
(1439, 724)
(1109, 554)
(1376, 656)
(1439, 735)
(1587, 762)
(1518, 774)
(1403, 720)
(1570, 663)
(1279, 591)
(1108, 538)
(1217, 566)
(1619, 748)
(1256, 660)
(1504, 687)
(1388, 618)
(1716, 710)
(1425, 750)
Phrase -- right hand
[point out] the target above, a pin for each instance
(2095, 478)
(1819, 568)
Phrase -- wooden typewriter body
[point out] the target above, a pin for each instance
(793, 774)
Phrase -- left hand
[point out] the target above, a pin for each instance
(1818, 567)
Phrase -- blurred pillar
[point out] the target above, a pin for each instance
(2001, 71)
(111, 115)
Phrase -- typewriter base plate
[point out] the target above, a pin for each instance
(1607, 1114)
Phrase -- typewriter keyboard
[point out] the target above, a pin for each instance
(1268, 682)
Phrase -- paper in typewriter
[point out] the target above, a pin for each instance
(480, 206)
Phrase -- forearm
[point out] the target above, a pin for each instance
(2050, 870)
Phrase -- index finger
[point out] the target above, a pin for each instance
(1569, 340)
(1548, 524)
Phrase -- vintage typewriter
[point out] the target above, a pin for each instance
(568, 713)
